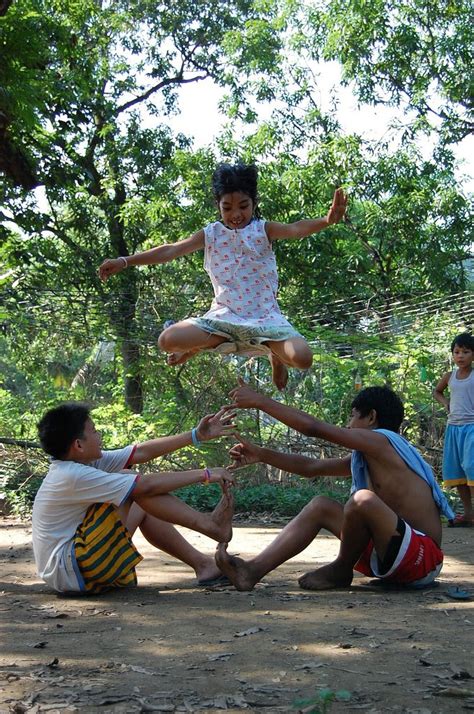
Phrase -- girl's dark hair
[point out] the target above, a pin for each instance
(465, 339)
(60, 426)
(228, 178)
(387, 405)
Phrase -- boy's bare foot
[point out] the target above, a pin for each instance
(208, 571)
(279, 372)
(237, 570)
(222, 517)
(327, 577)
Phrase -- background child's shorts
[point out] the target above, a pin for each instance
(458, 455)
(418, 560)
(104, 552)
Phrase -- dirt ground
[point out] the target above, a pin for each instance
(171, 646)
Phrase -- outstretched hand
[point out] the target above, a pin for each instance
(214, 425)
(223, 477)
(244, 397)
(243, 454)
(110, 266)
(338, 208)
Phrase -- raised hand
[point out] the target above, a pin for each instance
(243, 454)
(338, 208)
(214, 425)
(110, 266)
(244, 397)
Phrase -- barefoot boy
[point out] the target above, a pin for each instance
(390, 527)
(86, 510)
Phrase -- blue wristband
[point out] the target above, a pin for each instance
(196, 441)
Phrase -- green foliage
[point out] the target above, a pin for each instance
(274, 499)
(322, 702)
(416, 53)
(21, 473)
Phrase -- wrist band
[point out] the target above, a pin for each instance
(125, 261)
(206, 479)
(194, 438)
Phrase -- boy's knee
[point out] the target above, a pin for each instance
(362, 500)
(321, 506)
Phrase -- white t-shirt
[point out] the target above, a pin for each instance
(63, 498)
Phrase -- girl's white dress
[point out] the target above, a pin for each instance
(242, 267)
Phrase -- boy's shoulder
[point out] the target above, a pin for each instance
(61, 468)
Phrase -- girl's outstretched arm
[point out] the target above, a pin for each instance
(306, 227)
(161, 254)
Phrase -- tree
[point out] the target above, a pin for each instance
(416, 53)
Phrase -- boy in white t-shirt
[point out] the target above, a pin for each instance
(87, 509)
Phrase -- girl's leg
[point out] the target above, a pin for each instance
(183, 340)
(165, 537)
(293, 352)
(366, 517)
(217, 525)
(320, 513)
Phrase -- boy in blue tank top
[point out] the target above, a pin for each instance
(458, 453)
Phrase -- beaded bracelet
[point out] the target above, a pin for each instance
(194, 438)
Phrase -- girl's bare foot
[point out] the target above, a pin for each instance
(237, 570)
(222, 518)
(174, 358)
(327, 577)
(279, 372)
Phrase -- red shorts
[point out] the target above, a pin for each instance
(418, 561)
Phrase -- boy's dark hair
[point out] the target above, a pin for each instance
(465, 339)
(385, 402)
(60, 426)
(228, 178)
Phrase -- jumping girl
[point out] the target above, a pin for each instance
(244, 316)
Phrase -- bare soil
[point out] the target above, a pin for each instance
(171, 646)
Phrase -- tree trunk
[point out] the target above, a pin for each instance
(132, 375)
(123, 317)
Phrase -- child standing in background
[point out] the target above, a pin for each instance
(458, 453)
(240, 261)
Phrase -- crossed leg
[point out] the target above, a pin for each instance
(183, 340)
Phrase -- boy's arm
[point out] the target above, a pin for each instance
(306, 227)
(210, 427)
(359, 439)
(161, 254)
(157, 484)
(245, 453)
(440, 388)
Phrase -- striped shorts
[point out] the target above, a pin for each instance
(104, 551)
